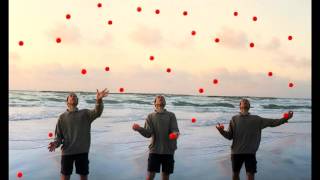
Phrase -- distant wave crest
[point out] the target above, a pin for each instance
(121, 102)
(274, 106)
(93, 101)
(183, 103)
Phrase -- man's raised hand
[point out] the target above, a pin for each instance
(102, 94)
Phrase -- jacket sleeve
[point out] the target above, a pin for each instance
(147, 130)
(173, 123)
(266, 122)
(229, 133)
(96, 112)
(58, 133)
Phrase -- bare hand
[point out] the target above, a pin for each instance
(52, 146)
(102, 94)
(220, 127)
(135, 127)
(177, 134)
(290, 113)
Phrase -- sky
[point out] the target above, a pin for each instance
(89, 42)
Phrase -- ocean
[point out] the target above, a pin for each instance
(33, 114)
(28, 105)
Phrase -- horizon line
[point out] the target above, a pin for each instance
(170, 94)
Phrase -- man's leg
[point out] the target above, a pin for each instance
(64, 177)
(165, 176)
(250, 176)
(82, 165)
(153, 165)
(167, 166)
(66, 167)
(235, 176)
(151, 175)
(237, 161)
(251, 166)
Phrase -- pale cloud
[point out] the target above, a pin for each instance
(69, 34)
(157, 80)
(106, 40)
(147, 37)
(233, 38)
(244, 83)
(43, 76)
(153, 38)
(273, 45)
(182, 44)
(296, 62)
(283, 58)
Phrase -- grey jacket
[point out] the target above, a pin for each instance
(158, 126)
(73, 129)
(245, 131)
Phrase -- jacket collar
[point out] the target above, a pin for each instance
(74, 110)
(164, 110)
(244, 114)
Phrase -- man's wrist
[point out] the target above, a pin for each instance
(99, 101)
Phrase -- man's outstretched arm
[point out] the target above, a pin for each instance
(145, 131)
(267, 122)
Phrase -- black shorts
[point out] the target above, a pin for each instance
(248, 159)
(165, 160)
(81, 162)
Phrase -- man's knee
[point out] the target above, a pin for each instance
(83, 177)
(235, 175)
(165, 176)
(250, 176)
(64, 177)
(151, 175)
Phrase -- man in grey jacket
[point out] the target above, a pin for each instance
(73, 132)
(245, 131)
(162, 127)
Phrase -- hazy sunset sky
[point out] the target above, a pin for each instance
(88, 42)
